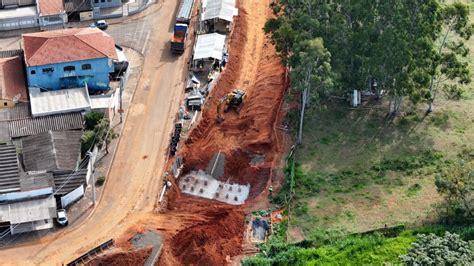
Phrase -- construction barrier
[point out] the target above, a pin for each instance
(91, 253)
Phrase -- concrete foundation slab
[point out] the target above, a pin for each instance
(203, 185)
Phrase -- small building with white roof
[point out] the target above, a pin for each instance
(208, 49)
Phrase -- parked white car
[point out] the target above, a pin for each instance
(61, 217)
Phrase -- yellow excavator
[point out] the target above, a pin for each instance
(233, 100)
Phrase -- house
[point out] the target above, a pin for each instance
(51, 12)
(12, 82)
(21, 17)
(69, 58)
(217, 15)
(208, 48)
(27, 211)
(52, 150)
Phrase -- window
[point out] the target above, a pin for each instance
(5, 103)
(48, 70)
(69, 68)
(33, 72)
(102, 1)
(86, 67)
(96, 1)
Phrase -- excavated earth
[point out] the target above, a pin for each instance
(249, 140)
(198, 231)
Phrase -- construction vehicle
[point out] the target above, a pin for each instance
(233, 100)
(181, 27)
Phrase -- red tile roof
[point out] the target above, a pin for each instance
(51, 47)
(50, 7)
(12, 79)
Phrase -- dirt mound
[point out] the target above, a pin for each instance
(131, 258)
(209, 242)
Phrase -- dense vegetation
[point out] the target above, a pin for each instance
(359, 170)
(412, 48)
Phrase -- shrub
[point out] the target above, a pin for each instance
(100, 180)
(92, 119)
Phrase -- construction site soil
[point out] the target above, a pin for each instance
(249, 141)
(206, 232)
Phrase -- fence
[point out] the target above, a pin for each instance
(87, 256)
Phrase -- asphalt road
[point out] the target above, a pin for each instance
(134, 181)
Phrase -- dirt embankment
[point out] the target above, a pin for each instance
(248, 141)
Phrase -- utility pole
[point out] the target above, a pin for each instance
(93, 178)
(120, 95)
(93, 186)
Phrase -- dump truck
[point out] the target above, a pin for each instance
(181, 27)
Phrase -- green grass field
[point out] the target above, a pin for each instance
(358, 170)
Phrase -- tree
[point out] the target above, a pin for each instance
(456, 184)
(311, 73)
(402, 44)
(101, 135)
(433, 250)
(450, 63)
(91, 119)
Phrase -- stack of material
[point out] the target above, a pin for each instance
(175, 139)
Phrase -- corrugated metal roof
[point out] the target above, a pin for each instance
(209, 46)
(52, 150)
(223, 9)
(58, 101)
(33, 126)
(9, 172)
(35, 180)
(185, 10)
(19, 111)
(67, 181)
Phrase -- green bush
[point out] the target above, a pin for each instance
(92, 119)
(100, 180)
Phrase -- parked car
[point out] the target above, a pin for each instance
(61, 217)
(100, 24)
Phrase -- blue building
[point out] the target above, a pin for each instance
(69, 58)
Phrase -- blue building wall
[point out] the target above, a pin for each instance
(97, 77)
(106, 3)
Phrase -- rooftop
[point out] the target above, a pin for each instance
(52, 150)
(35, 180)
(9, 172)
(58, 101)
(30, 210)
(50, 7)
(209, 46)
(27, 11)
(12, 79)
(67, 181)
(32, 126)
(223, 9)
(67, 45)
